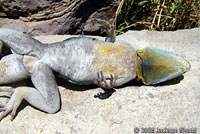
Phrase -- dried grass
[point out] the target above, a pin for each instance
(161, 15)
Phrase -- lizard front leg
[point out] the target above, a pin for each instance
(109, 83)
(44, 97)
(107, 27)
(105, 83)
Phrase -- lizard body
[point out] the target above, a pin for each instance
(81, 60)
(84, 57)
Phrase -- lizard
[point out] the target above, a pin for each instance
(83, 61)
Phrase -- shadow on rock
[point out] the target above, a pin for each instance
(64, 83)
(174, 81)
(136, 83)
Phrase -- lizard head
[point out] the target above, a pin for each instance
(155, 65)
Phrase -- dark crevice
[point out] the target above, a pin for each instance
(85, 10)
(74, 22)
(89, 7)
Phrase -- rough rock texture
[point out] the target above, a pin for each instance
(38, 17)
(173, 104)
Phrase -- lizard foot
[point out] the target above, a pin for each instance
(105, 83)
(12, 104)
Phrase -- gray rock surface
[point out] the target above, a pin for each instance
(38, 17)
(174, 104)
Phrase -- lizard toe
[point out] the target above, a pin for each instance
(11, 106)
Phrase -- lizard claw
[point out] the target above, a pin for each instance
(107, 83)
(11, 106)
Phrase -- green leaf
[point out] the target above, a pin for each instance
(180, 4)
(122, 28)
(122, 24)
(173, 8)
(143, 2)
(133, 18)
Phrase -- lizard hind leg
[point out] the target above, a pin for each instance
(44, 81)
(21, 43)
(12, 69)
(45, 96)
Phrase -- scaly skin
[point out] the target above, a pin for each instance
(87, 56)
(81, 60)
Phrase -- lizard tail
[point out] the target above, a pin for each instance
(10, 90)
(21, 43)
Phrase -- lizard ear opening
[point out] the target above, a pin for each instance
(155, 65)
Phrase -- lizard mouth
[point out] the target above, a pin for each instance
(155, 65)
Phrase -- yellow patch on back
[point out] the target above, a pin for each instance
(114, 59)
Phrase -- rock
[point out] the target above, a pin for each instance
(41, 17)
(171, 105)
